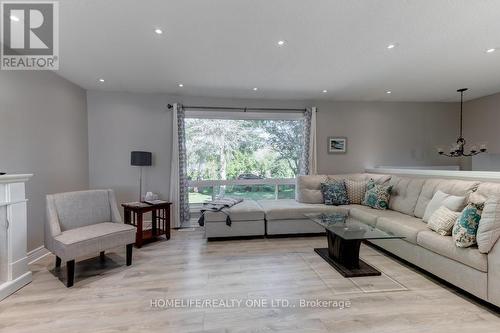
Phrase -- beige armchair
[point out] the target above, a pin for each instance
(84, 223)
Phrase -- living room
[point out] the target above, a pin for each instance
(308, 112)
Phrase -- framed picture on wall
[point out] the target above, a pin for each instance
(337, 145)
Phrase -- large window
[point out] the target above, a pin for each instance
(250, 158)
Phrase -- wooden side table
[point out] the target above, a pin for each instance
(160, 220)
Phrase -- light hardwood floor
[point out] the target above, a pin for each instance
(116, 298)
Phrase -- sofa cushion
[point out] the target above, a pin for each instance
(402, 225)
(364, 214)
(334, 193)
(93, 238)
(289, 209)
(488, 231)
(308, 189)
(404, 195)
(81, 208)
(247, 210)
(343, 176)
(378, 178)
(485, 191)
(441, 199)
(369, 215)
(445, 246)
(460, 188)
(308, 186)
(356, 190)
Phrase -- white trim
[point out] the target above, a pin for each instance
(266, 181)
(9, 203)
(10, 287)
(436, 167)
(21, 178)
(37, 254)
(235, 115)
(476, 175)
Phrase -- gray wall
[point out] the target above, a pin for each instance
(482, 121)
(398, 134)
(481, 124)
(43, 130)
(121, 122)
(381, 133)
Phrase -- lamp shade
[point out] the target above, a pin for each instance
(141, 158)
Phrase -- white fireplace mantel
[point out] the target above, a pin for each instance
(14, 271)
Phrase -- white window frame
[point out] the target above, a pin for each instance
(241, 115)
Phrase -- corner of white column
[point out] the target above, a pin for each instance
(14, 271)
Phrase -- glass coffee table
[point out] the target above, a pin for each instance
(344, 235)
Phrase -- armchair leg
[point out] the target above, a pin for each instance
(102, 257)
(70, 266)
(58, 262)
(129, 254)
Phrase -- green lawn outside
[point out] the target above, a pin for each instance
(255, 192)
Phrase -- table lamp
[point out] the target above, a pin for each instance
(140, 159)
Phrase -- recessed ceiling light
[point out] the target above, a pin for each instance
(490, 50)
(101, 80)
(255, 89)
(158, 31)
(391, 46)
(181, 85)
(324, 91)
(388, 92)
(14, 18)
(281, 42)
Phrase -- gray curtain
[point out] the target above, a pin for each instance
(308, 158)
(184, 215)
(306, 138)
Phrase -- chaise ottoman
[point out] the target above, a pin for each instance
(247, 220)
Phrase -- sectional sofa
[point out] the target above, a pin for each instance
(467, 268)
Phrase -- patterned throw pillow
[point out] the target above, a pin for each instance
(377, 196)
(356, 190)
(334, 193)
(443, 220)
(465, 229)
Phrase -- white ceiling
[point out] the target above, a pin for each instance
(224, 48)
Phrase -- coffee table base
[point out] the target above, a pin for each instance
(363, 270)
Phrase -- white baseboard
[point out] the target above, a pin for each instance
(10, 287)
(37, 254)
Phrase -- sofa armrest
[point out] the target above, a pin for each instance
(52, 226)
(115, 213)
(494, 274)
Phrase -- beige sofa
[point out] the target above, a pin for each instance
(475, 272)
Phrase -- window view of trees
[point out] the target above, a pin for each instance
(220, 149)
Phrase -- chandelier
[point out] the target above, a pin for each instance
(458, 149)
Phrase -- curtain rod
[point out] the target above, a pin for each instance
(241, 109)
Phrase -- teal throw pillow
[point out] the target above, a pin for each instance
(465, 228)
(377, 196)
(334, 193)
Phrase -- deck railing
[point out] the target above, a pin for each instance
(268, 188)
